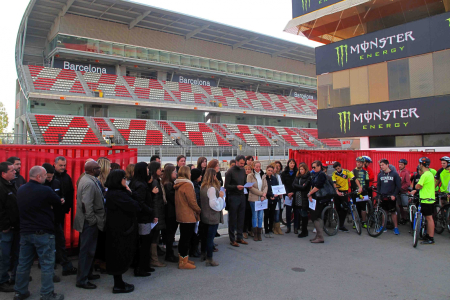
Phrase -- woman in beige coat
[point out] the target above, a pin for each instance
(257, 193)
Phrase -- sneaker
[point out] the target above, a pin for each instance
(396, 232)
(428, 242)
(343, 229)
(380, 229)
(385, 230)
(364, 225)
(18, 296)
(425, 237)
(354, 227)
(52, 296)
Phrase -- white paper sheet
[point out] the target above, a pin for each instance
(222, 189)
(312, 204)
(249, 184)
(287, 201)
(196, 227)
(152, 225)
(245, 191)
(261, 205)
(278, 190)
(365, 198)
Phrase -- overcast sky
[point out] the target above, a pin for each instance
(263, 16)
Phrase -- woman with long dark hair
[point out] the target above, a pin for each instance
(142, 194)
(269, 213)
(277, 168)
(301, 186)
(158, 206)
(167, 181)
(121, 229)
(318, 183)
(214, 164)
(287, 177)
(211, 215)
(202, 163)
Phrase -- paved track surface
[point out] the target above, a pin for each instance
(347, 266)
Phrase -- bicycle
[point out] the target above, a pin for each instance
(354, 213)
(375, 219)
(412, 209)
(420, 225)
(441, 216)
(330, 219)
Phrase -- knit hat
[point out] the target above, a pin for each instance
(195, 174)
(49, 168)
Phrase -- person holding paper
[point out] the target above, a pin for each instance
(287, 177)
(234, 184)
(213, 203)
(301, 185)
(196, 178)
(257, 192)
(248, 210)
(121, 229)
(188, 214)
(277, 167)
(269, 213)
(167, 182)
(317, 183)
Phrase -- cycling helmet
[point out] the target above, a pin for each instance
(403, 161)
(367, 158)
(446, 158)
(360, 159)
(425, 161)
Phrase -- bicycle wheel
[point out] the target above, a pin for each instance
(375, 222)
(439, 221)
(416, 232)
(330, 220)
(412, 213)
(356, 220)
(447, 219)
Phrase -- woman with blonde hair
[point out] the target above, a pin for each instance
(187, 213)
(129, 172)
(257, 193)
(105, 168)
(213, 203)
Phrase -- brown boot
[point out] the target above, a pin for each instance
(255, 234)
(154, 260)
(211, 262)
(277, 229)
(245, 235)
(183, 263)
(319, 227)
(259, 231)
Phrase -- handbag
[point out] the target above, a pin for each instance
(327, 191)
(298, 199)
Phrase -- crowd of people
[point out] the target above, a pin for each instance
(122, 216)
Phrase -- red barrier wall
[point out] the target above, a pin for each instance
(347, 158)
(32, 155)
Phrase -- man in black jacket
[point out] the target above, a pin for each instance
(66, 182)
(388, 186)
(60, 241)
(35, 202)
(234, 184)
(18, 180)
(9, 226)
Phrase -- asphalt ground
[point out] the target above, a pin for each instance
(346, 266)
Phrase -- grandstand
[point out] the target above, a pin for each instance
(160, 81)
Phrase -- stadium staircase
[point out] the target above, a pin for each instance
(94, 128)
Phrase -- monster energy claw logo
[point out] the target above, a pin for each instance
(341, 51)
(344, 118)
(306, 4)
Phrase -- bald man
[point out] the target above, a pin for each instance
(90, 218)
(82, 174)
(37, 233)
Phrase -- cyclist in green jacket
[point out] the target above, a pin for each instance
(426, 194)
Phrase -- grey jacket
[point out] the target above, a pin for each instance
(90, 206)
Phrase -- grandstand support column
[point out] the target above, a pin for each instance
(160, 75)
(232, 152)
(255, 152)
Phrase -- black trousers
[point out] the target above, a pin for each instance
(269, 216)
(317, 213)
(169, 237)
(248, 217)
(144, 251)
(88, 245)
(236, 216)
(341, 203)
(60, 247)
(186, 232)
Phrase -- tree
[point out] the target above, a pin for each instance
(3, 118)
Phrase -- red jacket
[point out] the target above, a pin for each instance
(371, 175)
(405, 179)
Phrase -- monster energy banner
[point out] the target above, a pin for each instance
(414, 38)
(404, 117)
(303, 7)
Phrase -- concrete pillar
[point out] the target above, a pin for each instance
(162, 75)
(121, 70)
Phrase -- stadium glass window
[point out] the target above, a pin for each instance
(141, 53)
(408, 141)
(262, 73)
(185, 60)
(105, 48)
(276, 76)
(231, 68)
(153, 55)
(436, 140)
(130, 52)
(92, 46)
(213, 65)
(269, 74)
(175, 59)
(195, 62)
(204, 63)
(441, 65)
(398, 79)
(223, 67)
(255, 72)
(382, 141)
(164, 57)
(118, 50)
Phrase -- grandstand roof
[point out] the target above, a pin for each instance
(43, 16)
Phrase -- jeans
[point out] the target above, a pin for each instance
(44, 246)
(276, 216)
(186, 232)
(257, 216)
(9, 255)
(211, 233)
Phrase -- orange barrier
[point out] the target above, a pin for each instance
(347, 158)
(32, 155)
